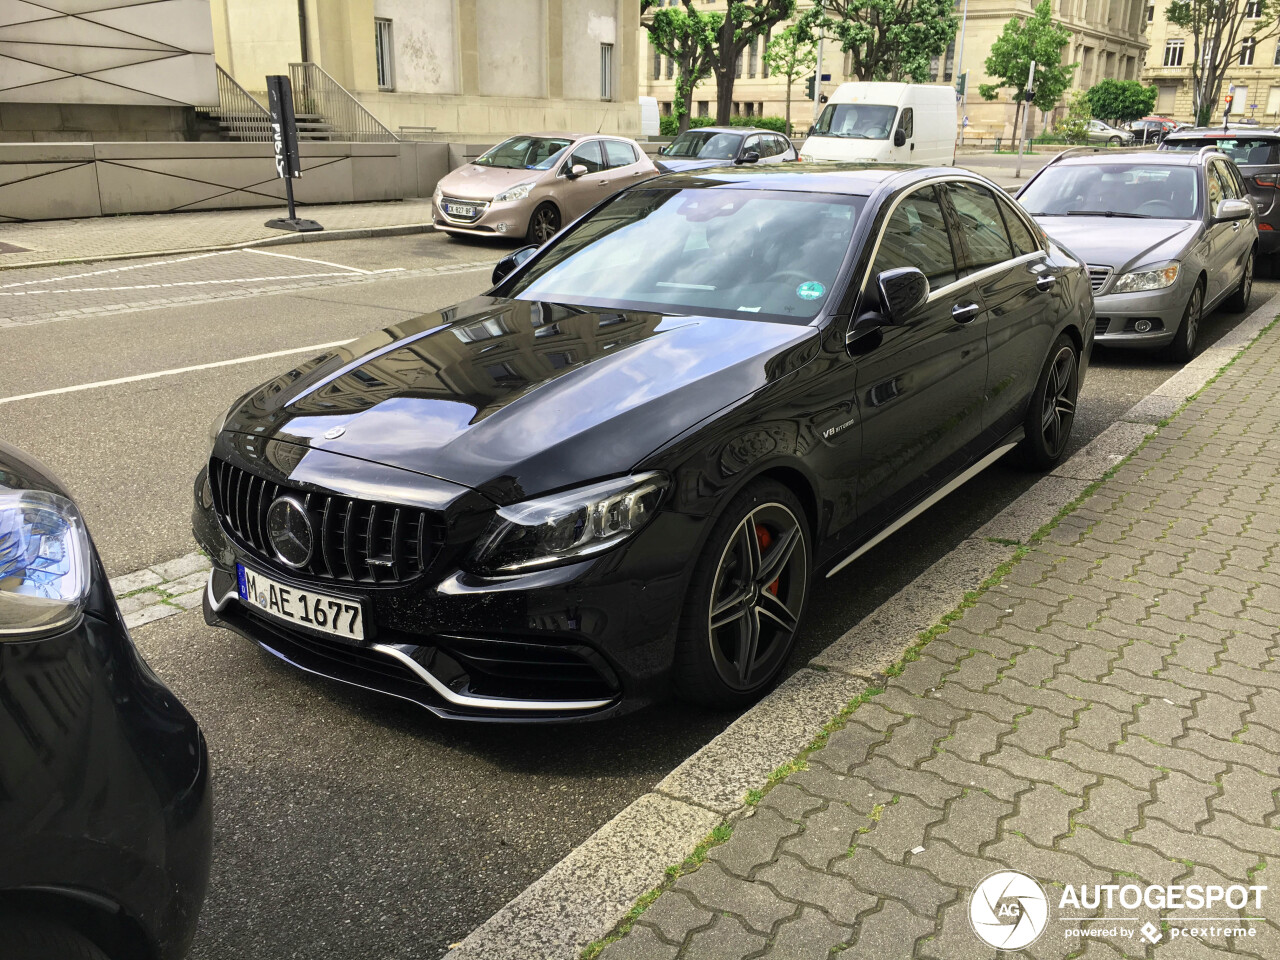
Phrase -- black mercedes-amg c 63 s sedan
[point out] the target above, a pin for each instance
(624, 469)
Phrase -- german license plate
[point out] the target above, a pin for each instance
(339, 616)
(459, 210)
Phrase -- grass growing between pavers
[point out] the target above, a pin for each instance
(800, 762)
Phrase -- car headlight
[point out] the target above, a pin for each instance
(567, 526)
(1149, 278)
(45, 563)
(518, 192)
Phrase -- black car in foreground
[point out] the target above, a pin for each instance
(627, 465)
(105, 805)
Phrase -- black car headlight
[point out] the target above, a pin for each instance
(568, 526)
(45, 564)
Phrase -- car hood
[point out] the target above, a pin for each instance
(514, 398)
(472, 182)
(1120, 242)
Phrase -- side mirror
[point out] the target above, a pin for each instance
(901, 291)
(899, 138)
(507, 265)
(1234, 210)
(812, 128)
(749, 157)
(576, 171)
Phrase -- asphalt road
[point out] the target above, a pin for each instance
(349, 826)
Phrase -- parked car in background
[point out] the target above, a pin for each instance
(1257, 155)
(531, 186)
(1152, 129)
(1152, 281)
(1099, 132)
(887, 123)
(104, 776)
(716, 146)
(627, 465)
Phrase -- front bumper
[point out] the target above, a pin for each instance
(1119, 314)
(509, 219)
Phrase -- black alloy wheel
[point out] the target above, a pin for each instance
(1183, 347)
(544, 224)
(1238, 302)
(1053, 407)
(746, 599)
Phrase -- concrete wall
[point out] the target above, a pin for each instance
(593, 22)
(254, 38)
(107, 52)
(42, 122)
(55, 181)
(425, 52)
(511, 44)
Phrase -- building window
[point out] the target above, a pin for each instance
(657, 64)
(737, 109)
(1247, 47)
(737, 66)
(702, 107)
(1151, 12)
(751, 108)
(671, 67)
(666, 108)
(1173, 52)
(606, 71)
(1275, 61)
(1253, 10)
(1273, 101)
(950, 65)
(764, 64)
(753, 63)
(382, 50)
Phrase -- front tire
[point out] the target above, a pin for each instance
(745, 600)
(33, 938)
(544, 224)
(1183, 347)
(1052, 411)
(1238, 302)
(1113, 142)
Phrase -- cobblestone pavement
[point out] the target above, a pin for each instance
(162, 590)
(131, 236)
(1109, 713)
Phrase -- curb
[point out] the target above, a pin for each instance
(351, 233)
(584, 897)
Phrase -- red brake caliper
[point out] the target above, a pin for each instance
(765, 538)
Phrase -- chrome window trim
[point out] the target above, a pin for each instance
(983, 274)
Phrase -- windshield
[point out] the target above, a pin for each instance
(705, 146)
(861, 121)
(525, 153)
(717, 251)
(1114, 190)
(1244, 150)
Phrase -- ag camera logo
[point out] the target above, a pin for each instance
(1008, 910)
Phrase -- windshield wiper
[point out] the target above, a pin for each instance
(1105, 213)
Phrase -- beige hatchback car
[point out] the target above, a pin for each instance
(531, 186)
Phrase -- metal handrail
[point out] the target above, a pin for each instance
(315, 93)
(239, 111)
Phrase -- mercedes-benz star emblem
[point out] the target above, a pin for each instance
(333, 433)
(289, 529)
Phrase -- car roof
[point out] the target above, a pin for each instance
(1201, 133)
(855, 179)
(730, 130)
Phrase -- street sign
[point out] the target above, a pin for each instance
(826, 78)
(284, 144)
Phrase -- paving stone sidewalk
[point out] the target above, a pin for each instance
(95, 238)
(1108, 713)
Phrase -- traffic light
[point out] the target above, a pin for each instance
(810, 87)
(1230, 98)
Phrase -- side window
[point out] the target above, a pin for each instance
(915, 235)
(753, 143)
(981, 226)
(1238, 178)
(1226, 172)
(587, 154)
(618, 154)
(1019, 235)
(781, 145)
(906, 123)
(1217, 190)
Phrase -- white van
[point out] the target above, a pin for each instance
(886, 123)
(650, 119)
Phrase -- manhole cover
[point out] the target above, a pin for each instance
(11, 248)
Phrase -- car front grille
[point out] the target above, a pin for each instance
(1103, 324)
(1098, 277)
(480, 207)
(355, 541)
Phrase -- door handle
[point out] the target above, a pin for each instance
(1045, 281)
(964, 312)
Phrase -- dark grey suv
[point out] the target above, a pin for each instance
(1257, 154)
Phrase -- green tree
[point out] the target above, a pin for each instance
(687, 36)
(1038, 39)
(1219, 30)
(1121, 101)
(744, 21)
(791, 54)
(1074, 127)
(890, 39)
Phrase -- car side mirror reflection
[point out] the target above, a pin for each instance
(901, 291)
(507, 265)
(1234, 210)
(899, 138)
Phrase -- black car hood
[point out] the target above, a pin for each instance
(514, 397)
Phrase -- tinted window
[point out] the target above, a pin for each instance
(1244, 150)
(742, 253)
(981, 226)
(530, 153)
(705, 145)
(619, 154)
(906, 123)
(859, 121)
(916, 236)
(1019, 234)
(1231, 189)
(1124, 189)
(587, 154)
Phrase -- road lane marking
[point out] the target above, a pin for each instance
(326, 263)
(98, 273)
(175, 283)
(171, 373)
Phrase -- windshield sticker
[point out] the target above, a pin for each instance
(810, 290)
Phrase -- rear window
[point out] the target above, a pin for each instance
(1244, 151)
